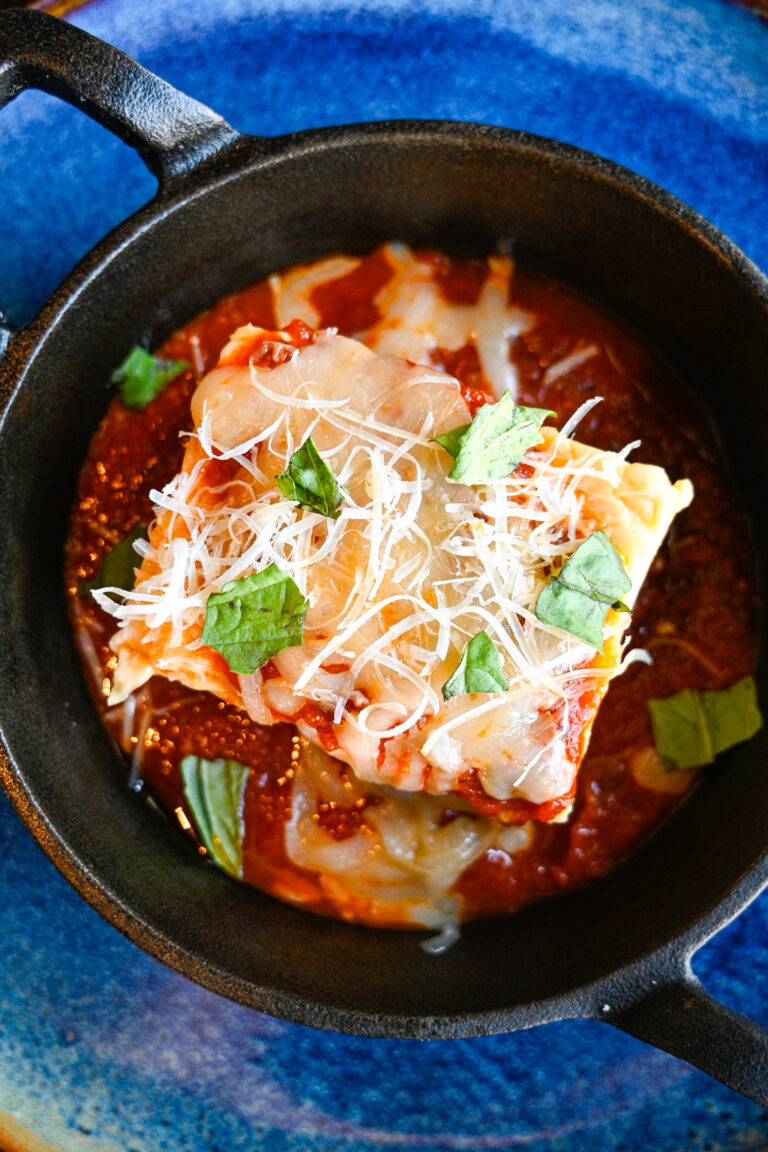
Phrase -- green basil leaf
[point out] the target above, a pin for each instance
(253, 619)
(451, 441)
(692, 728)
(142, 377)
(494, 443)
(214, 791)
(572, 612)
(309, 481)
(590, 582)
(478, 670)
(118, 568)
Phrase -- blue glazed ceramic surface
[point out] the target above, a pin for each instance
(100, 1046)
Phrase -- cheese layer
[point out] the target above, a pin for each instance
(415, 320)
(400, 865)
(413, 568)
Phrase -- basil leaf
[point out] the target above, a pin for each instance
(478, 670)
(142, 377)
(118, 568)
(733, 714)
(309, 481)
(494, 443)
(590, 582)
(451, 441)
(214, 791)
(253, 619)
(692, 728)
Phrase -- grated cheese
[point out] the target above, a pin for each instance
(413, 567)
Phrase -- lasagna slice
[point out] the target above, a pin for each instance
(396, 581)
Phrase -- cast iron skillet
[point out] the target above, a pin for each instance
(229, 209)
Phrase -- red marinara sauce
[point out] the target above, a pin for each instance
(696, 613)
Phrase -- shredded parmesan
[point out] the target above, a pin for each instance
(574, 360)
(414, 566)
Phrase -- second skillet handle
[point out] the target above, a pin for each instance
(682, 1018)
(171, 132)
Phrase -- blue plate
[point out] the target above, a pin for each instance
(102, 1047)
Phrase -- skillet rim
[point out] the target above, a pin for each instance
(235, 160)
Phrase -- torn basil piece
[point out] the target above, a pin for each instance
(309, 481)
(590, 582)
(250, 620)
(142, 377)
(692, 728)
(495, 442)
(214, 792)
(451, 441)
(118, 568)
(478, 670)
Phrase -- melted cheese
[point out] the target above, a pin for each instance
(400, 866)
(416, 321)
(414, 566)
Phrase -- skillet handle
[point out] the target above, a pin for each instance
(681, 1018)
(171, 132)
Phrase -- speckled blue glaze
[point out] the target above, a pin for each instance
(100, 1046)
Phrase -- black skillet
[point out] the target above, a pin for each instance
(229, 209)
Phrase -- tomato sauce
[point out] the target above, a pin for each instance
(696, 614)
